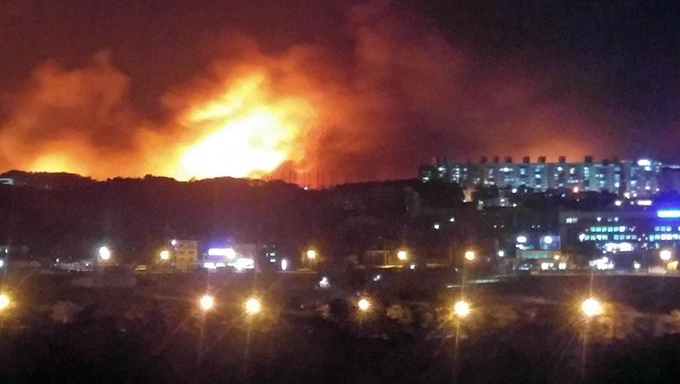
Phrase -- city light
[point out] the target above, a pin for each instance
(644, 203)
(665, 254)
(576, 189)
(636, 265)
(104, 253)
(617, 203)
(207, 302)
(436, 226)
(284, 264)
(243, 263)
(521, 239)
(311, 254)
(165, 254)
(364, 305)
(324, 283)
(253, 306)
(4, 301)
(644, 162)
(501, 253)
(402, 255)
(461, 308)
(173, 242)
(548, 239)
(469, 255)
(2, 263)
(591, 307)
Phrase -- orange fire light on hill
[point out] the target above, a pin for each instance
(246, 131)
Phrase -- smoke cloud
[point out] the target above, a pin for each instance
(375, 108)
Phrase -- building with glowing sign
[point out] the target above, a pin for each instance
(626, 236)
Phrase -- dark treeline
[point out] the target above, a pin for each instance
(65, 215)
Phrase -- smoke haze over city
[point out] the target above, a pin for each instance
(339, 90)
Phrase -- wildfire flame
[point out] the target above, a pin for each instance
(246, 131)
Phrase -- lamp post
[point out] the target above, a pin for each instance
(311, 257)
(470, 255)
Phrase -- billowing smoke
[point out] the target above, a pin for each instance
(399, 94)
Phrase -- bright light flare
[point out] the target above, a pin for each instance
(165, 254)
(402, 255)
(591, 307)
(469, 255)
(207, 302)
(104, 253)
(364, 304)
(253, 306)
(311, 254)
(461, 308)
(665, 254)
(4, 301)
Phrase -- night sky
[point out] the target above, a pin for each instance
(404, 80)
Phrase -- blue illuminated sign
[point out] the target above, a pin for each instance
(668, 214)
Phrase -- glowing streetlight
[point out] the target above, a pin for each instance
(104, 253)
(665, 254)
(461, 308)
(311, 254)
(364, 305)
(402, 255)
(253, 306)
(469, 255)
(207, 302)
(165, 254)
(4, 301)
(591, 307)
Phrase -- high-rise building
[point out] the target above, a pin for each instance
(638, 178)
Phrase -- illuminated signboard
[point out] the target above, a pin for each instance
(668, 214)
(226, 252)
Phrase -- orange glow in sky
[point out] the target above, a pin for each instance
(244, 132)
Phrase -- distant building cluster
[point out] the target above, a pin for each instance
(636, 178)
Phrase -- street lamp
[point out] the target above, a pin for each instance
(311, 254)
(469, 255)
(402, 255)
(4, 301)
(253, 306)
(591, 307)
(461, 308)
(364, 305)
(666, 254)
(104, 253)
(165, 254)
(206, 302)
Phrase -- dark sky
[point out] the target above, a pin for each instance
(466, 78)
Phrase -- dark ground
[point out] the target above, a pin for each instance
(526, 330)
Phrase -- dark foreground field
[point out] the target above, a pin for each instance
(527, 330)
